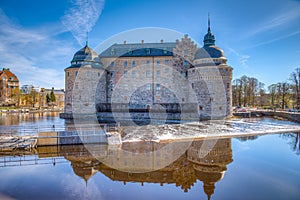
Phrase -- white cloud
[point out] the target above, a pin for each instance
(287, 15)
(242, 58)
(82, 17)
(34, 55)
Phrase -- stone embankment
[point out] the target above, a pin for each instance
(292, 116)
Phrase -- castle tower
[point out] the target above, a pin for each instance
(210, 72)
(85, 82)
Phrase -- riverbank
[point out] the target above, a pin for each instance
(5, 110)
(153, 133)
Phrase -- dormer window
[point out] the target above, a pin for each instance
(112, 52)
(148, 51)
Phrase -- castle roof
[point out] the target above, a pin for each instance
(139, 50)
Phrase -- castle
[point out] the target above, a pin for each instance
(176, 78)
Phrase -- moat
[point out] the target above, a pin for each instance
(249, 167)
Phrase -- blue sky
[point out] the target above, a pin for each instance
(260, 38)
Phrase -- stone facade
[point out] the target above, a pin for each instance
(163, 77)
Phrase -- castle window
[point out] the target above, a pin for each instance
(112, 52)
(165, 50)
(200, 107)
(166, 70)
(184, 74)
(125, 74)
(158, 62)
(133, 63)
(112, 64)
(148, 63)
(193, 86)
(148, 51)
(220, 108)
(228, 85)
(158, 87)
(112, 87)
(125, 64)
(76, 73)
(148, 86)
(158, 73)
(133, 74)
(185, 63)
(182, 99)
(68, 73)
(98, 74)
(167, 62)
(112, 74)
(148, 74)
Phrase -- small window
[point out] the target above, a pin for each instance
(148, 63)
(133, 74)
(112, 87)
(184, 74)
(148, 74)
(98, 74)
(133, 63)
(185, 63)
(112, 74)
(158, 87)
(158, 73)
(125, 64)
(167, 62)
(112, 64)
(112, 52)
(220, 108)
(148, 86)
(166, 70)
(158, 62)
(68, 73)
(228, 85)
(125, 74)
(76, 73)
(200, 107)
(165, 50)
(193, 86)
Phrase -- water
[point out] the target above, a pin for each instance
(252, 167)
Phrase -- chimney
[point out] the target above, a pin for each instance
(124, 42)
(161, 41)
(142, 41)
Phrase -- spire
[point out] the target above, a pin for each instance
(87, 38)
(209, 38)
(208, 23)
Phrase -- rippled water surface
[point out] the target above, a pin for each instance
(253, 167)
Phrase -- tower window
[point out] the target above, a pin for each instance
(125, 74)
(167, 62)
(112, 64)
(148, 63)
(125, 64)
(112, 74)
(148, 86)
(133, 63)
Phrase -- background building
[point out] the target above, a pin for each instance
(9, 87)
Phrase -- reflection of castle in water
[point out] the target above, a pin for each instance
(204, 160)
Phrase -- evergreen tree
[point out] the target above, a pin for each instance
(48, 98)
(52, 96)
